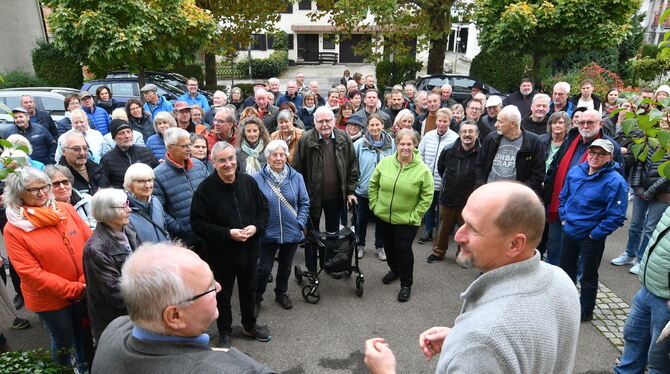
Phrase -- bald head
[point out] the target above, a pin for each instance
(521, 210)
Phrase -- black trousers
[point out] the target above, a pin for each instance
(398, 246)
(333, 210)
(266, 262)
(246, 285)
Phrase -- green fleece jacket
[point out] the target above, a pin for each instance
(401, 195)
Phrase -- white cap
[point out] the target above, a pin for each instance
(493, 101)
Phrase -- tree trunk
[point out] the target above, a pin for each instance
(535, 71)
(141, 78)
(438, 47)
(210, 71)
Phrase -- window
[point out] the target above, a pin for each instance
(328, 41)
(122, 89)
(462, 83)
(52, 104)
(259, 43)
(305, 5)
(289, 9)
(290, 42)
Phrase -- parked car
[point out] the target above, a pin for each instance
(124, 89)
(46, 98)
(460, 85)
(171, 78)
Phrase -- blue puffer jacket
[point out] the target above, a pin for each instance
(283, 225)
(157, 146)
(368, 157)
(174, 186)
(148, 232)
(163, 105)
(99, 119)
(593, 204)
(44, 145)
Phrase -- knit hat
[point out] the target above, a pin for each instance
(116, 126)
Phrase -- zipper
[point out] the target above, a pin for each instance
(237, 206)
(393, 192)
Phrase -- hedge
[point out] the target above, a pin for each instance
(500, 70)
(397, 72)
(269, 67)
(17, 78)
(53, 67)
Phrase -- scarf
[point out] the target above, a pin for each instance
(254, 153)
(278, 177)
(29, 218)
(561, 173)
(310, 109)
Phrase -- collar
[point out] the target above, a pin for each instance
(332, 136)
(188, 164)
(142, 334)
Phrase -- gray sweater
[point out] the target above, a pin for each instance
(520, 318)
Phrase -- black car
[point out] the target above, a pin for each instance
(460, 85)
(124, 89)
(173, 79)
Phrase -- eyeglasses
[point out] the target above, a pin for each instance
(64, 183)
(78, 149)
(144, 181)
(221, 121)
(589, 123)
(196, 297)
(322, 121)
(227, 159)
(182, 146)
(599, 154)
(36, 190)
(125, 206)
(474, 109)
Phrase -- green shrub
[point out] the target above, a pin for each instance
(397, 72)
(500, 69)
(29, 362)
(18, 78)
(606, 57)
(54, 67)
(603, 79)
(649, 50)
(269, 67)
(280, 41)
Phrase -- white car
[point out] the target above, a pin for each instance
(51, 99)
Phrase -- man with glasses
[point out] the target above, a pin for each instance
(176, 179)
(97, 117)
(326, 158)
(573, 151)
(231, 213)
(592, 205)
(223, 128)
(171, 297)
(94, 139)
(125, 153)
(192, 97)
(291, 95)
(561, 99)
(473, 111)
(88, 175)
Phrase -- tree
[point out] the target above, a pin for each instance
(137, 35)
(552, 28)
(393, 24)
(238, 20)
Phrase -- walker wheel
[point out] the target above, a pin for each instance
(359, 286)
(310, 294)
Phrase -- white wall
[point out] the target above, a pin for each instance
(20, 27)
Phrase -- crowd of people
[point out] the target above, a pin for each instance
(243, 181)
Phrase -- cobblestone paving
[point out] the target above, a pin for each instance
(610, 315)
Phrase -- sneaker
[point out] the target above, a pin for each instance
(433, 258)
(283, 300)
(390, 277)
(224, 341)
(259, 333)
(404, 293)
(20, 324)
(361, 251)
(635, 269)
(623, 259)
(381, 254)
(426, 238)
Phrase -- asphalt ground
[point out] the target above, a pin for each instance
(328, 337)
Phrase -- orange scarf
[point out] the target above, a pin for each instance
(43, 216)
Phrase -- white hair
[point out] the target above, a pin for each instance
(220, 93)
(273, 146)
(273, 79)
(172, 135)
(105, 204)
(565, 86)
(323, 109)
(138, 170)
(540, 96)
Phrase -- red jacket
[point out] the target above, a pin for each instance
(51, 272)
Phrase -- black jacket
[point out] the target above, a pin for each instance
(142, 125)
(538, 128)
(104, 257)
(44, 118)
(96, 177)
(218, 207)
(530, 160)
(457, 168)
(523, 103)
(645, 179)
(116, 162)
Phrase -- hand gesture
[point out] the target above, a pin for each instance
(238, 235)
(378, 356)
(431, 340)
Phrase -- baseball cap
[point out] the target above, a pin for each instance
(493, 101)
(181, 105)
(84, 94)
(604, 144)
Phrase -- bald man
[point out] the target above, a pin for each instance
(521, 315)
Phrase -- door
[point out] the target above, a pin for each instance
(346, 52)
(308, 47)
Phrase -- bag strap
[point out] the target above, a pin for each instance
(660, 236)
(144, 215)
(281, 197)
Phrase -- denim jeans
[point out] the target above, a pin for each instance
(431, 217)
(364, 216)
(554, 235)
(66, 332)
(266, 262)
(591, 251)
(646, 319)
(646, 214)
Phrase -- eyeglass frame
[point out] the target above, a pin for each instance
(144, 182)
(196, 297)
(78, 148)
(63, 182)
(36, 190)
(126, 206)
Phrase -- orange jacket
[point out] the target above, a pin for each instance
(297, 133)
(51, 272)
